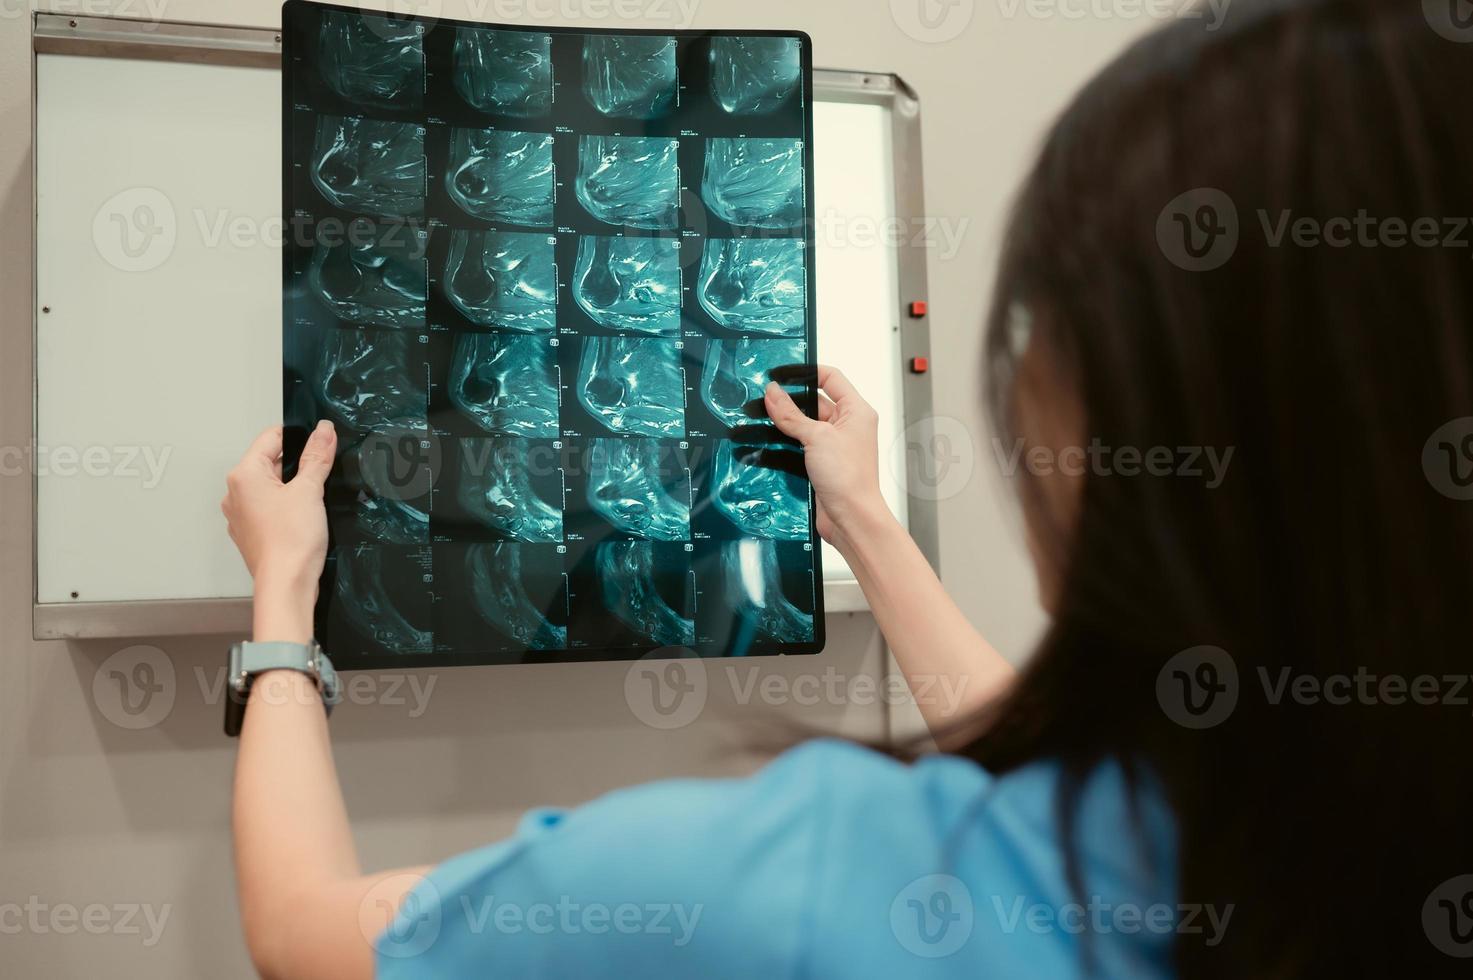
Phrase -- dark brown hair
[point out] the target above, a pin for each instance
(1329, 548)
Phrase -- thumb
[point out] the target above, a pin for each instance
(318, 454)
(786, 414)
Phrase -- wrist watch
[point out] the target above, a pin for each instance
(249, 659)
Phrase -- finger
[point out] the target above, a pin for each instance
(783, 460)
(824, 376)
(798, 375)
(761, 434)
(267, 447)
(757, 408)
(787, 416)
(826, 408)
(838, 387)
(318, 454)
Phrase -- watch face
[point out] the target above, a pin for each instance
(235, 706)
(233, 663)
(331, 684)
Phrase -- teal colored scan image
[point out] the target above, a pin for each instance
(505, 72)
(756, 285)
(502, 176)
(626, 573)
(629, 284)
(379, 281)
(373, 61)
(737, 372)
(392, 521)
(754, 589)
(495, 489)
(498, 588)
(388, 507)
(755, 75)
(630, 181)
(370, 165)
(756, 183)
(629, 485)
(506, 384)
(760, 501)
(633, 386)
(364, 378)
(538, 278)
(367, 602)
(503, 279)
(630, 76)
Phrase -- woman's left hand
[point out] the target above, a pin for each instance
(281, 528)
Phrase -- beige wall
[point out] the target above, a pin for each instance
(92, 813)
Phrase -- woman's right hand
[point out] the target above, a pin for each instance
(840, 449)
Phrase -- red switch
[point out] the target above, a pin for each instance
(919, 365)
(918, 309)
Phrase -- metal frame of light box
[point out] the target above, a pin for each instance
(112, 37)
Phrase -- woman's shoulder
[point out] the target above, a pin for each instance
(946, 798)
(955, 871)
(766, 873)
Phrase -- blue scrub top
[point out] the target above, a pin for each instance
(834, 861)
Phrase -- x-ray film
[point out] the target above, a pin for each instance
(538, 279)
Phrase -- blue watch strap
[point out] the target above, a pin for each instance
(249, 659)
(257, 658)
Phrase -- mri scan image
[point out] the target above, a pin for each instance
(370, 165)
(391, 520)
(629, 284)
(633, 386)
(503, 279)
(505, 72)
(632, 487)
(756, 285)
(626, 575)
(502, 176)
(755, 75)
(754, 588)
(737, 371)
(379, 282)
(499, 593)
(373, 61)
(506, 385)
(494, 489)
(383, 472)
(543, 278)
(758, 500)
(630, 75)
(631, 181)
(756, 183)
(365, 379)
(368, 600)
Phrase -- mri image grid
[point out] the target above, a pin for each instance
(538, 280)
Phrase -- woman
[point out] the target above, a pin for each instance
(1212, 766)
